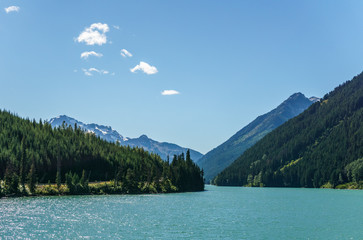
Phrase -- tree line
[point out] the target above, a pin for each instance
(33, 153)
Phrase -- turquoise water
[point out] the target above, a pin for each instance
(218, 213)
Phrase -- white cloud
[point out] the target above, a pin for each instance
(12, 9)
(145, 67)
(85, 55)
(95, 34)
(88, 72)
(116, 27)
(169, 92)
(93, 70)
(125, 53)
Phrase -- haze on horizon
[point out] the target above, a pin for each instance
(190, 73)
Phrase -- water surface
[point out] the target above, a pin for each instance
(218, 213)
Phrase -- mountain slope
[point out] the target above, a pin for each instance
(219, 158)
(323, 145)
(163, 149)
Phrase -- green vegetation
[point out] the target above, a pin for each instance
(351, 185)
(322, 147)
(33, 156)
(222, 156)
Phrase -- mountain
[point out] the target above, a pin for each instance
(220, 157)
(163, 149)
(323, 146)
(105, 132)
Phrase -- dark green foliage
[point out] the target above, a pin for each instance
(11, 181)
(22, 164)
(35, 152)
(32, 179)
(69, 182)
(354, 170)
(75, 184)
(130, 184)
(1, 189)
(222, 156)
(84, 182)
(58, 179)
(316, 148)
(185, 174)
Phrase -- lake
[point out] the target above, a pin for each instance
(218, 213)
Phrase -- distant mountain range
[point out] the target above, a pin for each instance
(163, 149)
(222, 156)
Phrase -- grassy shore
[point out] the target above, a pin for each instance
(349, 185)
(93, 188)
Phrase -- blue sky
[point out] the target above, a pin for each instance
(230, 61)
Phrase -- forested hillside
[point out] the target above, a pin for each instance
(222, 156)
(32, 152)
(321, 146)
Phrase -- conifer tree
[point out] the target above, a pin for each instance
(1, 189)
(32, 179)
(22, 164)
(75, 182)
(69, 182)
(11, 181)
(58, 180)
(14, 186)
(84, 182)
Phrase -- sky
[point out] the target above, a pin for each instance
(191, 73)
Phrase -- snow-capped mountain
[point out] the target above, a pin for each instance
(105, 132)
(163, 149)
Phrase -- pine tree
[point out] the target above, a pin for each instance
(75, 182)
(58, 180)
(69, 182)
(1, 189)
(188, 156)
(11, 181)
(84, 182)
(14, 187)
(83, 178)
(23, 164)
(32, 179)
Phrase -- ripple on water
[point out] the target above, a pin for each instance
(220, 213)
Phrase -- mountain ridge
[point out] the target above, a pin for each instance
(163, 149)
(223, 155)
(322, 147)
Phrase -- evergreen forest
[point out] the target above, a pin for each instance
(36, 159)
(322, 147)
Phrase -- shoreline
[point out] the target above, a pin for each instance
(343, 186)
(94, 188)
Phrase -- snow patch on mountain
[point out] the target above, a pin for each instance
(163, 149)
